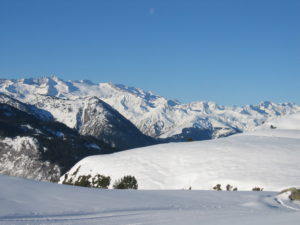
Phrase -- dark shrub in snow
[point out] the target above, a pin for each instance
(127, 182)
(97, 181)
(257, 189)
(295, 193)
(100, 181)
(217, 187)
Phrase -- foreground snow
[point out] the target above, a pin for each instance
(32, 202)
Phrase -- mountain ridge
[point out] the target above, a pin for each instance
(152, 114)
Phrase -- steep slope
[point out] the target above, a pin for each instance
(91, 116)
(152, 114)
(266, 158)
(36, 203)
(40, 149)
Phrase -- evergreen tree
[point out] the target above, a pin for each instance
(127, 182)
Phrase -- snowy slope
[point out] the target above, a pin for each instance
(30, 202)
(291, 122)
(152, 114)
(267, 158)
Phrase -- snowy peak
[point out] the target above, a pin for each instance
(147, 96)
(54, 86)
(24, 88)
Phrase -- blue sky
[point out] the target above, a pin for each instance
(233, 52)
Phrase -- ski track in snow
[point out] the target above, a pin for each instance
(27, 202)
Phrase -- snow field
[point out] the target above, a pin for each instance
(35, 203)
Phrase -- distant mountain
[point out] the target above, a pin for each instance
(92, 116)
(89, 115)
(40, 149)
(153, 115)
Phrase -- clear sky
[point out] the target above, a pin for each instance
(232, 52)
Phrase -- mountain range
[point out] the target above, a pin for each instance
(48, 124)
(153, 115)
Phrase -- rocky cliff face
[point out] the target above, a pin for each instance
(105, 123)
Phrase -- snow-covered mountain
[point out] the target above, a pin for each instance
(89, 115)
(153, 115)
(267, 158)
(40, 149)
